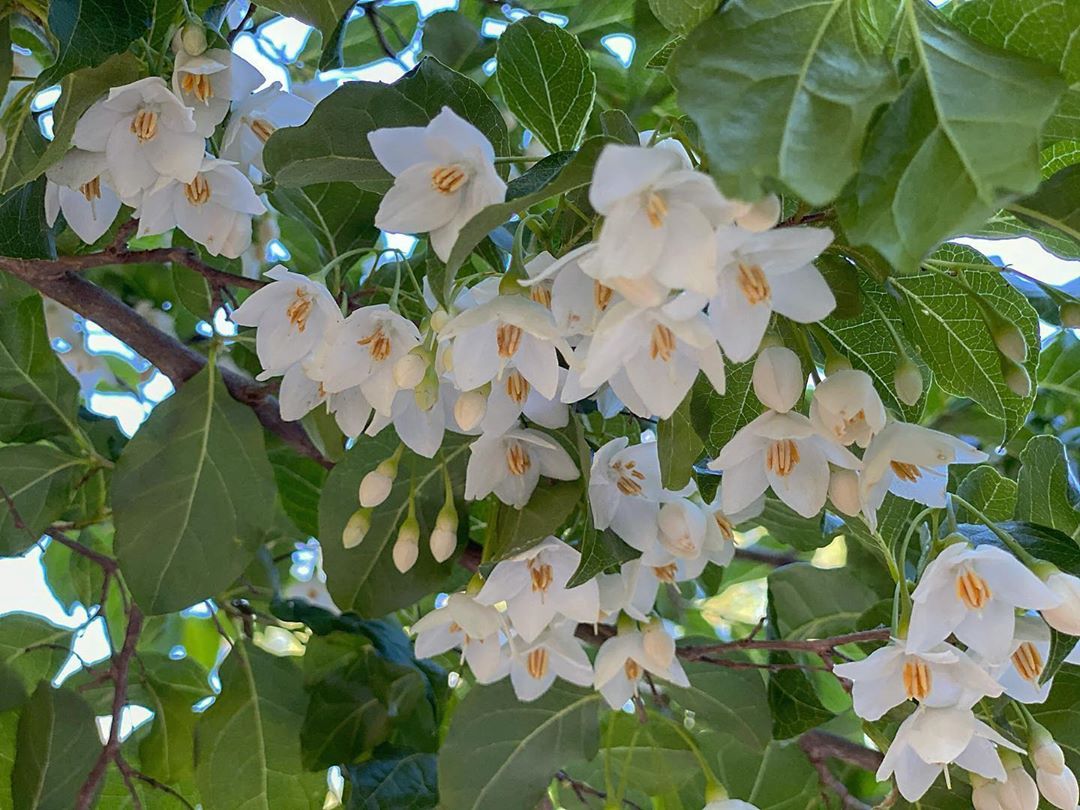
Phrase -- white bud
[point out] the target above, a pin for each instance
(835, 363)
(1045, 752)
(375, 488)
(470, 409)
(409, 370)
(443, 543)
(986, 794)
(659, 646)
(844, 491)
(761, 215)
(908, 381)
(1019, 791)
(778, 378)
(1066, 616)
(439, 319)
(1010, 342)
(193, 37)
(407, 545)
(1016, 377)
(356, 528)
(1061, 789)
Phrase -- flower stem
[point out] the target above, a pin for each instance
(1013, 544)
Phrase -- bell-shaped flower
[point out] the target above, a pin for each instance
(210, 82)
(533, 585)
(931, 738)
(254, 119)
(643, 577)
(1064, 618)
(300, 394)
(974, 593)
(762, 273)
(1018, 791)
(146, 133)
(292, 315)
(513, 396)
(782, 451)
(419, 417)
(314, 592)
(683, 529)
(625, 490)
(510, 331)
(578, 301)
(659, 218)
(555, 652)
(466, 624)
(847, 407)
(622, 662)
(214, 209)
(660, 354)
(78, 186)
(911, 462)
(778, 378)
(720, 539)
(444, 174)
(1020, 674)
(942, 676)
(510, 465)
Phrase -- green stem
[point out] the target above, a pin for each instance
(517, 159)
(1014, 545)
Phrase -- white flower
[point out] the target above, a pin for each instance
(533, 585)
(621, 663)
(210, 82)
(683, 527)
(911, 462)
(1060, 789)
(146, 133)
(764, 273)
(730, 804)
(941, 677)
(660, 354)
(778, 378)
(720, 539)
(315, 592)
(214, 209)
(659, 218)
(555, 652)
(255, 118)
(1021, 672)
(642, 578)
(1017, 792)
(299, 394)
(577, 300)
(292, 314)
(419, 418)
(78, 186)
(510, 465)
(931, 738)
(625, 489)
(974, 593)
(465, 623)
(508, 332)
(846, 407)
(844, 491)
(1064, 618)
(444, 175)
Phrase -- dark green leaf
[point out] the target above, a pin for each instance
(1046, 493)
(1055, 205)
(988, 491)
(794, 703)
(1041, 541)
(456, 41)
(299, 481)
(791, 529)
(31, 650)
(323, 14)
(678, 446)
(336, 214)
(90, 31)
(38, 479)
(617, 125)
(23, 232)
(681, 16)
(402, 783)
(600, 550)
(817, 603)
(518, 530)
(715, 418)
(732, 702)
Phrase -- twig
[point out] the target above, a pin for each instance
(761, 555)
(131, 773)
(380, 35)
(584, 789)
(236, 31)
(819, 646)
(108, 564)
(821, 746)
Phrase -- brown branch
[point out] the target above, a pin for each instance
(380, 36)
(130, 773)
(108, 564)
(821, 746)
(175, 360)
(583, 790)
(819, 646)
(763, 555)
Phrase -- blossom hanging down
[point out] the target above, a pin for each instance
(78, 186)
(623, 661)
(210, 82)
(510, 465)
(625, 491)
(254, 119)
(444, 175)
(466, 624)
(1021, 673)
(846, 407)
(555, 652)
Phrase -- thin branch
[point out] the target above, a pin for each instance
(763, 555)
(583, 790)
(380, 36)
(234, 33)
(108, 564)
(131, 773)
(821, 746)
(818, 646)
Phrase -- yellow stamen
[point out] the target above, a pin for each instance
(144, 125)
(666, 573)
(661, 343)
(753, 283)
(1028, 662)
(454, 627)
(91, 190)
(726, 527)
(632, 669)
(198, 190)
(299, 309)
(972, 590)
(916, 679)
(517, 458)
(655, 209)
(627, 481)
(198, 84)
(906, 472)
(448, 179)
(263, 129)
(378, 344)
(601, 295)
(541, 294)
(508, 338)
(517, 387)
(541, 576)
(782, 456)
(537, 662)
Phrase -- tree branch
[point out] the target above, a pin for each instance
(821, 746)
(821, 646)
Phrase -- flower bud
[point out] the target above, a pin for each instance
(376, 485)
(908, 380)
(659, 646)
(439, 318)
(1066, 616)
(427, 392)
(778, 378)
(1061, 789)
(356, 528)
(407, 545)
(844, 491)
(836, 362)
(1016, 377)
(1070, 314)
(761, 215)
(986, 793)
(193, 37)
(409, 370)
(470, 409)
(443, 543)
(1045, 752)
(1009, 339)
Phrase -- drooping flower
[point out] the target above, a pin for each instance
(533, 585)
(210, 82)
(254, 119)
(974, 593)
(300, 394)
(555, 652)
(942, 676)
(419, 417)
(510, 465)
(622, 662)
(911, 462)
(1017, 792)
(762, 273)
(1064, 618)
(78, 186)
(1021, 673)
(466, 624)
(625, 490)
(778, 378)
(846, 407)
(444, 175)
(720, 538)
(214, 209)
(145, 132)
(315, 592)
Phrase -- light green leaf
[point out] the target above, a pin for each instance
(651, 757)
(248, 743)
(192, 497)
(732, 702)
(680, 16)
(500, 752)
(9, 725)
(792, 529)
(1046, 493)
(795, 705)
(546, 81)
(1004, 225)
(717, 418)
(39, 480)
(517, 530)
(299, 481)
(56, 747)
(364, 578)
(338, 216)
(1052, 545)
(988, 491)
(796, 113)
(169, 689)
(947, 328)
(1059, 367)
(323, 14)
(967, 125)
(678, 445)
(816, 603)
(32, 649)
(90, 31)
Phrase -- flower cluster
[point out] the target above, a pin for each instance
(144, 145)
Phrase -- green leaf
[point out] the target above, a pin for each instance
(678, 445)
(1041, 541)
(600, 550)
(456, 41)
(794, 703)
(1055, 205)
(946, 326)
(364, 578)
(617, 125)
(717, 418)
(56, 746)
(192, 497)
(732, 702)
(1058, 713)
(299, 481)
(32, 650)
(354, 41)
(517, 530)
(966, 124)
(1046, 494)
(501, 753)
(680, 16)
(403, 783)
(90, 31)
(336, 214)
(791, 529)
(169, 689)
(23, 232)
(652, 757)
(248, 745)
(9, 726)
(817, 603)
(1061, 646)
(546, 81)
(39, 480)
(988, 491)
(323, 14)
(795, 113)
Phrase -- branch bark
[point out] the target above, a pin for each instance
(821, 746)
